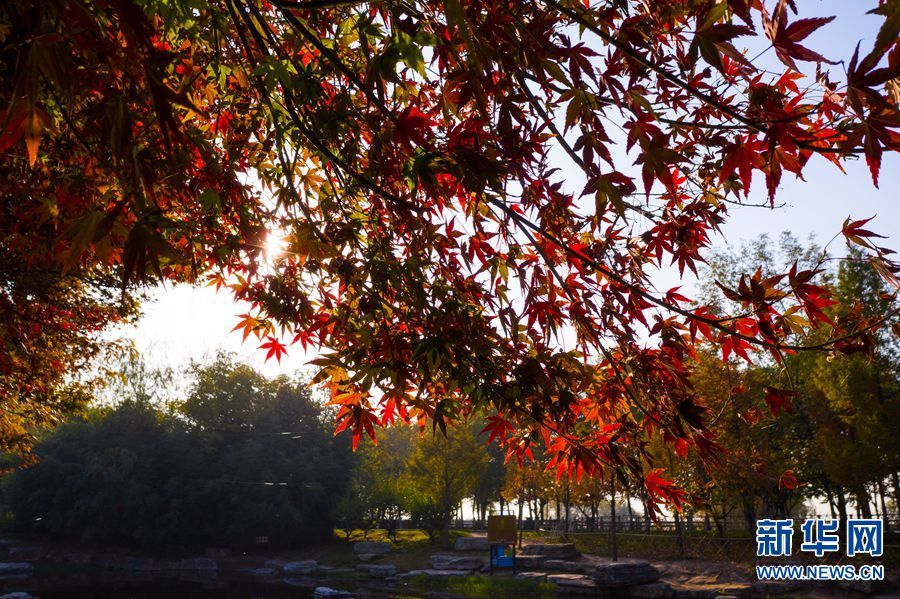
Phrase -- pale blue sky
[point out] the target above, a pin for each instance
(183, 323)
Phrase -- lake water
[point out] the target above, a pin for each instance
(161, 589)
(172, 589)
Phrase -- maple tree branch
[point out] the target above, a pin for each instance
(665, 74)
(716, 324)
(535, 103)
(524, 221)
(337, 62)
(597, 341)
(313, 4)
(637, 57)
(699, 125)
(299, 121)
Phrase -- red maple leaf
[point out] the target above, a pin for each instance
(275, 347)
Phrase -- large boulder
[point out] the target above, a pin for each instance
(371, 547)
(26, 554)
(261, 572)
(692, 591)
(551, 550)
(530, 561)
(378, 570)
(329, 593)
(456, 562)
(625, 573)
(198, 564)
(15, 569)
(533, 576)
(471, 544)
(435, 573)
(17, 595)
(303, 568)
(573, 584)
(12, 568)
(368, 557)
(564, 565)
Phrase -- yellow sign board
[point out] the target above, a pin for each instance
(501, 529)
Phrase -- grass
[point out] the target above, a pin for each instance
(484, 587)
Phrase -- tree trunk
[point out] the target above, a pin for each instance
(749, 513)
(720, 526)
(630, 511)
(613, 546)
(830, 496)
(895, 478)
(679, 534)
(521, 504)
(862, 503)
(842, 507)
(884, 511)
(646, 512)
(445, 530)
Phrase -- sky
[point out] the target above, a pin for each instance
(183, 323)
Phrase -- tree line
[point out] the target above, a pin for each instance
(239, 460)
(242, 456)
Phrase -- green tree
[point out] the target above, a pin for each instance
(264, 464)
(442, 471)
(859, 395)
(378, 492)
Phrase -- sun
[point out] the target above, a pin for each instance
(274, 246)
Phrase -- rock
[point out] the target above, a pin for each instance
(436, 573)
(198, 564)
(371, 547)
(304, 568)
(261, 572)
(455, 562)
(625, 573)
(866, 587)
(378, 570)
(573, 584)
(535, 576)
(335, 570)
(471, 544)
(7, 568)
(368, 557)
(734, 590)
(551, 550)
(682, 592)
(329, 593)
(26, 554)
(530, 561)
(559, 564)
(711, 592)
(17, 595)
(654, 590)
